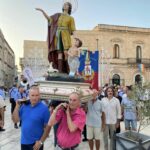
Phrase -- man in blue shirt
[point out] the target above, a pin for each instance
(130, 111)
(21, 93)
(18, 95)
(2, 92)
(34, 117)
(12, 93)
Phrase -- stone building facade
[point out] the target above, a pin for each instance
(7, 63)
(123, 50)
(35, 57)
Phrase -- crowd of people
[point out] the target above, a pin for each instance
(98, 119)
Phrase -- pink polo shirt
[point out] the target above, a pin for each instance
(66, 138)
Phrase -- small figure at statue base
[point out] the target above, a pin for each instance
(73, 57)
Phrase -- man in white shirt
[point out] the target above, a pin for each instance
(95, 121)
(112, 109)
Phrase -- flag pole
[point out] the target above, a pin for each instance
(99, 79)
(102, 65)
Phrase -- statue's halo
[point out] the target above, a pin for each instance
(74, 4)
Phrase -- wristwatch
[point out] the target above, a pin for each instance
(41, 142)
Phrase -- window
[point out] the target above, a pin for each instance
(138, 54)
(116, 51)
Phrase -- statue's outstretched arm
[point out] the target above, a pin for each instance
(43, 12)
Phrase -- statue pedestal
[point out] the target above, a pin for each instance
(60, 90)
(63, 77)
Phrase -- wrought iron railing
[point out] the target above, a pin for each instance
(138, 61)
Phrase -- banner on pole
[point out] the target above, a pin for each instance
(89, 67)
(27, 72)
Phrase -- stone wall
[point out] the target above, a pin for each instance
(104, 37)
(7, 63)
(35, 56)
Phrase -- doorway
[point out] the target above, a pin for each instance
(116, 79)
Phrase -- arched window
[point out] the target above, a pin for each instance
(138, 54)
(116, 51)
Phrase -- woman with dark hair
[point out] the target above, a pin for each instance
(60, 28)
(112, 109)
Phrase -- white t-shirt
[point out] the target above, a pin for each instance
(112, 110)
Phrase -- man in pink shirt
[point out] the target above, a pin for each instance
(71, 120)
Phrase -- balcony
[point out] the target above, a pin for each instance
(144, 61)
(119, 61)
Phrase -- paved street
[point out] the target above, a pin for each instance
(10, 139)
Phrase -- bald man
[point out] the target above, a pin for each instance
(34, 117)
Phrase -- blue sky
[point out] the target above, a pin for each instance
(20, 21)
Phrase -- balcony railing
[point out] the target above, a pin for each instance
(145, 61)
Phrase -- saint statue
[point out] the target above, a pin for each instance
(60, 28)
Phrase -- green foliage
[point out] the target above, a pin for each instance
(141, 94)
